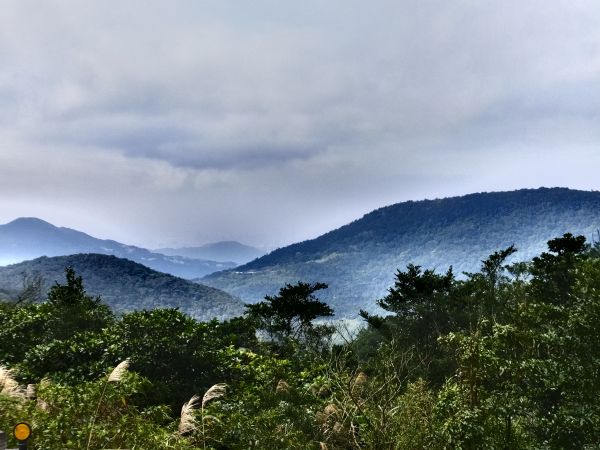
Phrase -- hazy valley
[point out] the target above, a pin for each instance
(28, 238)
(358, 261)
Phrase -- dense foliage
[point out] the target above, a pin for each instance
(507, 357)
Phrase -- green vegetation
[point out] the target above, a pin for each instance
(358, 260)
(506, 357)
(287, 318)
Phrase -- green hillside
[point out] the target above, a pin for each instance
(124, 285)
(358, 260)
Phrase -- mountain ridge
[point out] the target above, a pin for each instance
(359, 259)
(26, 238)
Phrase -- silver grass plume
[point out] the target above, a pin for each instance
(8, 384)
(187, 421)
(282, 387)
(115, 376)
(216, 391)
(31, 392)
(119, 371)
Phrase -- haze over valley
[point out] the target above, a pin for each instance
(357, 261)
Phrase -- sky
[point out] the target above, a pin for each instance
(268, 122)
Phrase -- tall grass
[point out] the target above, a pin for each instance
(115, 376)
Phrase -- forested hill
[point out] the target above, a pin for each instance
(359, 260)
(28, 237)
(124, 285)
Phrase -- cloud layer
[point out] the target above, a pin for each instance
(191, 121)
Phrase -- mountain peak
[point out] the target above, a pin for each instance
(29, 222)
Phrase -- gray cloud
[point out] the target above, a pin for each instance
(287, 118)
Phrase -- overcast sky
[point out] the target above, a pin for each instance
(269, 122)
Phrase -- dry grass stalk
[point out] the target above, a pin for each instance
(216, 391)
(115, 376)
(43, 405)
(187, 421)
(327, 418)
(361, 378)
(338, 428)
(31, 392)
(331, 410)
(119, 371)
(282, 387)
(7, 380)
(323, 446)
(8, 384)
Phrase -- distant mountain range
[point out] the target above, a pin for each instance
(28, 238)
(124, 285)
(359, 260)
(225, 251)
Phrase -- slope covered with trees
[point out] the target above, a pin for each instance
(124, 285)
(505, 357)
(357, 260)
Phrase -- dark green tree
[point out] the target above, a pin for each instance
(416, 287)
(424, 306)
(290, 314)
(486, 288)
(493, 267)
(60, 335)
(416, 296)
(553, 271)
(71, 309)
